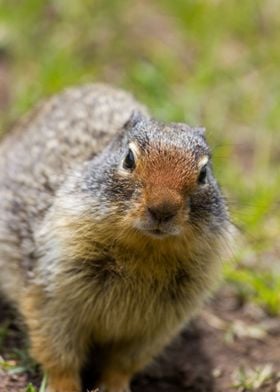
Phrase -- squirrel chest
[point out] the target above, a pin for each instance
(121, 295)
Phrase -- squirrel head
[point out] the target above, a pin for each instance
(154, 179)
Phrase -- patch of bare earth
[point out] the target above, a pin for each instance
(229, 347)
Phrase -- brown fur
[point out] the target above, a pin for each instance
(79, 279)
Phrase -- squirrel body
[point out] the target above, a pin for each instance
(111, 232)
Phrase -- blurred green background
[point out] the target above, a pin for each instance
(209, 62)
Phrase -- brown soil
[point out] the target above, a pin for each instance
(226, 336)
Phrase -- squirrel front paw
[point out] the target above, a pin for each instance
(114, 381)
(112, 389)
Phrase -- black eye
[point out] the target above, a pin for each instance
(202, 175)
(129, 161)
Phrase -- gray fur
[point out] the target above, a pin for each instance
(65, 214)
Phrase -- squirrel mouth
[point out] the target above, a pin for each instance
(157, 233)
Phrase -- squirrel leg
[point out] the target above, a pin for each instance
(52, 344)
(115, 381)
(62, 375)
(123, 362)
(62, 383)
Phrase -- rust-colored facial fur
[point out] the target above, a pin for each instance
(166, 177)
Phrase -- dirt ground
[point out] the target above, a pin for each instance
(230, 346)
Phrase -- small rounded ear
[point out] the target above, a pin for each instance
(200, 130)
(134, 119)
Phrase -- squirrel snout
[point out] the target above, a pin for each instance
(163, 212)
(162, 205)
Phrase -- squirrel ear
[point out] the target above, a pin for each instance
(200, 130)
(134, 118)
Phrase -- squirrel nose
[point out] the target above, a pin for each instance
(162, 213)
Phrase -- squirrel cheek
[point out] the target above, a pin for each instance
(188, 205)
(183, 215)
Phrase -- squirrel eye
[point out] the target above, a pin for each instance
(129, 161)
(202, 175)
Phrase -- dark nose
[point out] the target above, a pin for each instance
(162, 213)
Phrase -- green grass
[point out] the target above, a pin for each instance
(252, 379)
(43, 386)
(18, 361)
(204, 62)
(30, 388)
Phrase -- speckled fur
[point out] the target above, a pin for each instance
(74, 256)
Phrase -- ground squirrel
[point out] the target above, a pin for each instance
(112, 230)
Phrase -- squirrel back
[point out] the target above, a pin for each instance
(59, 134)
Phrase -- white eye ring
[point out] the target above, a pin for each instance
(128, 162)
(203, 162)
